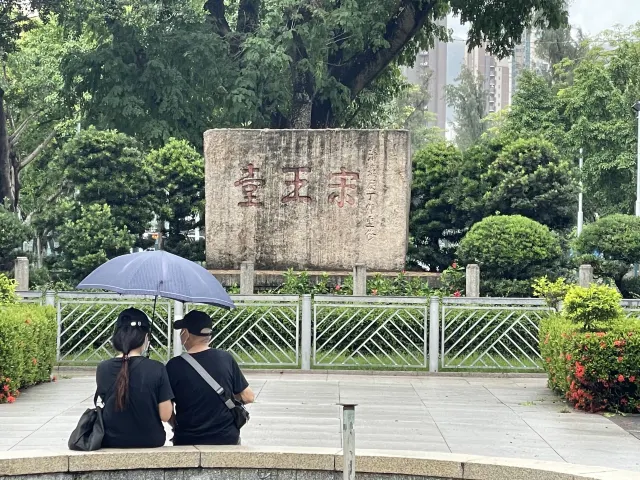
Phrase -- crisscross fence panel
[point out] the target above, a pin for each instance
(491, 333)
(86, 323)
(631, 307)
(263, 330)
(387, 332)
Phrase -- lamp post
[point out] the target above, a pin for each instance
(580, 214)
(636, 108)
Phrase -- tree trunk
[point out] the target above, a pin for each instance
(6, 174)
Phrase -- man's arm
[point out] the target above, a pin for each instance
(246, 396)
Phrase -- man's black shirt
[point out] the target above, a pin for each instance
(139, 424)
(202, 417)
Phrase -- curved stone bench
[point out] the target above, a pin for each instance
(274, 463)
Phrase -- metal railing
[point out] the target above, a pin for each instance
(263, 330)
(491, 333)
(370, 331)
(326, 331)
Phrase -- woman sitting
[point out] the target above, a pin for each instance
(135, 390)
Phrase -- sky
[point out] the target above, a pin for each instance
(591, 15)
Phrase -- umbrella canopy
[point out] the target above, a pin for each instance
(159, 274)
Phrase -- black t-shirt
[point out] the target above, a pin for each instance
(202, 417)
(139, 424)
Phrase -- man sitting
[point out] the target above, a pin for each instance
(202, 418)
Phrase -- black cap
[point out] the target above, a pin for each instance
(196, 323)
(132, 317)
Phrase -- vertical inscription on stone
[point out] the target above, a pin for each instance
(343, 183)
(249, 184)
(296, 184)
(371, 194)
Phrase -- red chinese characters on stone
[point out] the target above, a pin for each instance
(296, 184)
(344, 183)
(250, 184)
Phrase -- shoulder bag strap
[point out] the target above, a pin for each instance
(209, 379)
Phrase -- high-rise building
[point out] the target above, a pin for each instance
(432, 64)
(522, 58)
(496, 76)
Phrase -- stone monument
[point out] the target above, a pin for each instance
(307, 199)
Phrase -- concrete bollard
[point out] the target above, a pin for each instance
(473, 281)
(247, 278)
(359, 280)
(585, 276)
(21, 274)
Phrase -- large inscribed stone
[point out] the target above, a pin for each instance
(307, 199)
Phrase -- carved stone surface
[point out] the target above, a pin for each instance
(307, 199)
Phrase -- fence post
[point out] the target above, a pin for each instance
(349, 441)
(585, 276)
(359, 280)
(178, 314)
(21, 274)
(305, 334)
(473, 281)
(434, 331)
(247, 278)
(50, 299)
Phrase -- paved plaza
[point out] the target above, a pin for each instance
(500, 417)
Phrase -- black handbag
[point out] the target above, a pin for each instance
(240, 414)
(89, 432)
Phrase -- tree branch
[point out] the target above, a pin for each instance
(38, 150)
(216, 11)
(362, 69)
(15, 136)
(248, 16)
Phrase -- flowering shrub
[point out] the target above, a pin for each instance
(27, 347)
(453, 280)
(595, 370)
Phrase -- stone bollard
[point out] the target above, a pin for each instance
(585, 276)
(247, 278)
(473, 281)
(359, 280)
(22, 274)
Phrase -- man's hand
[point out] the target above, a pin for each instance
(246, 396)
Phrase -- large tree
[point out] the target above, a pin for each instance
(469, 101)
(287, 63)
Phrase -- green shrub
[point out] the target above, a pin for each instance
(552, 292)
(595, 370)
(510, 247)
(593, 307)
(616, 238)
(504, 287)
(7, 290)
(631, 287)
(453, 280)
(27, 347)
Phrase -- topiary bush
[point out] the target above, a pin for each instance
(611, 245)
(27, 347)
(592, 308)
(510, 247)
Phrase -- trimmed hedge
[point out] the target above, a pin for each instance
(27, 347)
(598, 370)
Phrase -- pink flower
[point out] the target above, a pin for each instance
(374, 291)
(457, 293)
(338, 288)
(621, 378)
(11, 399)
(454, 265)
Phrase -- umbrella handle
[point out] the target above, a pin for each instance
(153, 314)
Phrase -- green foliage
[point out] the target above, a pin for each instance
(552, 292)
(27, 347)
(12, 234)
(92, 239)
(453, 280)
(107, 167)
(510, 247)
(7, 290)
(595, 370)
(530, 178)
(504, 287)
(592, 308)
(433, 216)
(616, 238)
(469, 100)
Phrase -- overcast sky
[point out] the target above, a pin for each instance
(591, 15)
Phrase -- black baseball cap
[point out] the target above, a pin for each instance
(132, 317)
(196, 323)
